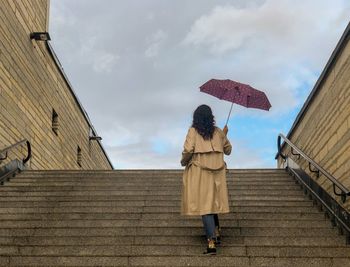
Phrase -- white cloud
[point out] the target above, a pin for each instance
(273, 44)
(221, 30)
(142, 155)
(96, 57)
(275, 24)
(151, 152)
(244, 157)
(155, 43)
(104, 62)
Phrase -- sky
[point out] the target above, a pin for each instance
(136, 67)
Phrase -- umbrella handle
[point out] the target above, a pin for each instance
(228, 117)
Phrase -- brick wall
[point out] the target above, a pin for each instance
(323, 132)
(31, 86)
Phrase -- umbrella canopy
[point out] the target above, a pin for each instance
(235, 92)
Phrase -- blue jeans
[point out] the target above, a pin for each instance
(209, 223)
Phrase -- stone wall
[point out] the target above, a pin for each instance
(32, 87)
(323, 131)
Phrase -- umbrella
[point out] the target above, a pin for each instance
(235, 92)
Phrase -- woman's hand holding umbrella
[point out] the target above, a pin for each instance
(225, 129)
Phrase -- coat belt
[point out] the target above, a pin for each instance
(196, 163)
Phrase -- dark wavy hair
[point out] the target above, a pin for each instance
(204, 122)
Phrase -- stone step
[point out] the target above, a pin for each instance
(167, 205)
(77, 186)
(237, 186)
(126, 234)
(135, 186)
(298, 251)
(131, 175)
(145, 195)
(161, 223)
(23, 192)
(130, 232)
(64, 261)
(108, 198)
(138, 182)
(145, 209)
(124, 173)
(171, 261)
(136, 203)
(147, 171)
(233, 261)
(143, 191)
(142, 177)
(12, 186)
(119, 174)
(234, 209)
(150, 241)
(158, 216)
(159, 200)
(247, 241)
(177, 184)
(115, 248)
(238, 216)
(118, 179)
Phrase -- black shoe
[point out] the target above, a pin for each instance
(211, 248)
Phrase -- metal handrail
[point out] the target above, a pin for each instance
(344, 191)
(7, 149)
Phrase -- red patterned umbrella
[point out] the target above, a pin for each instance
(235, 92)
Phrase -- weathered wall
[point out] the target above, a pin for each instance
(31, 86)
(323, 132)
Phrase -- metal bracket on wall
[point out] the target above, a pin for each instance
(314, 171)
(342, 195)
(293, 153)
(3, 157)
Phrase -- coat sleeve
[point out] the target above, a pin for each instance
(188, 148)
(227, 146)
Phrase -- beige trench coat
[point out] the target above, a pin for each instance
(204, 189)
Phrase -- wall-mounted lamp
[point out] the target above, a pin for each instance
(40, 36)
(99, 138)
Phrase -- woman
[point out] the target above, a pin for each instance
(204, 190)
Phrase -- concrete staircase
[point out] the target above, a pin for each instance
(131, 218)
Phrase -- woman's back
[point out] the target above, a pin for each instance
(196, 148)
